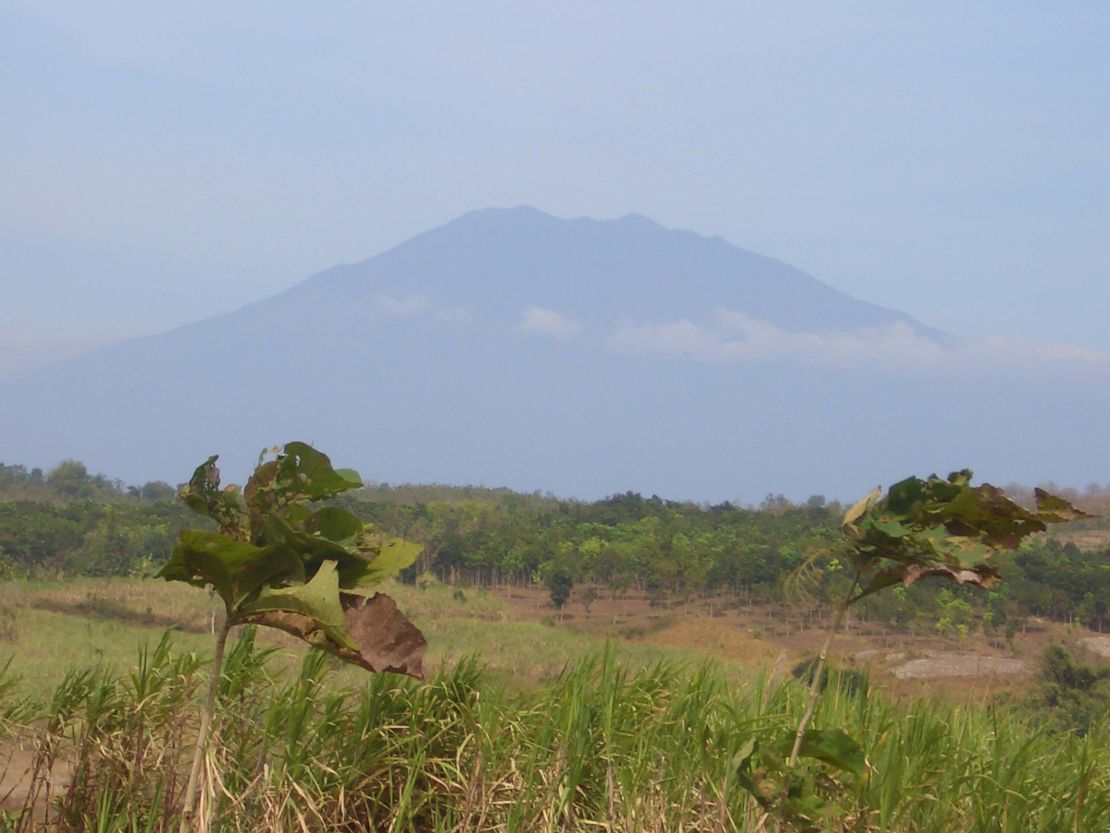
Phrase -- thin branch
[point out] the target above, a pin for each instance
(818, 670)
(205, 725)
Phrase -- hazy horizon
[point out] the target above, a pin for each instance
(165, 164)
(577, 356)
(945, 166)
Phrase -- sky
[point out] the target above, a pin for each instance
(160, 163)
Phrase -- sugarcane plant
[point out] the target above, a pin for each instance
(277, 560)
(921, 528)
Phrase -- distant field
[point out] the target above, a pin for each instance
(55, 626)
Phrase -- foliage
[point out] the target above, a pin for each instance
(276, 562)
(598, 747)
(559, 584)
(588, 596)
(673, 550)
(1075, 694)
(946, 528)
(920, 528)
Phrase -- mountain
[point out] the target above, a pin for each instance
(511, 347)
(511, 259)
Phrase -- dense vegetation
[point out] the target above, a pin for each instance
(600, 747)
(68, 521)
(603, 745)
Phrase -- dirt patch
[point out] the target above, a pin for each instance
(756, 636)
(1097, 645)
(958, 665)
(17, 761)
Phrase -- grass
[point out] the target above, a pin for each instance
(599, 747)
(61, 625)
(551, 731)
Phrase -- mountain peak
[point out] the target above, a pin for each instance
(503, 260)
(634, 219)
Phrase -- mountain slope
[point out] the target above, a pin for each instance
(496, 349)
(510, 259)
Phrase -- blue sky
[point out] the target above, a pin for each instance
(160, 163)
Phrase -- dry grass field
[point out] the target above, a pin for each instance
(52, 627)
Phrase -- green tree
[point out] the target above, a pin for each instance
(559, 584)
(157, 490)
(588, 597)
(1076, 694)
(71, 479)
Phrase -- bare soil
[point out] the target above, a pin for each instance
(17, 761)
(958, 665)
(762, 636)
(1097, 645)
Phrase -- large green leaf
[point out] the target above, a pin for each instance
(233, 568)
(312, 548)
(304, 472)
(831, 746)
(334, 524)
(317, 600)
(394, 555)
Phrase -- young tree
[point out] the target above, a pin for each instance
(559, 584)
(588, 597)
(921, 528)
(277, 562)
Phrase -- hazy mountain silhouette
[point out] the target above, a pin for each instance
(582, 356)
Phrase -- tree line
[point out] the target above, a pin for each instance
(69, 521)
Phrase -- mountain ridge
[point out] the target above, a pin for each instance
(634, 236)
(579, 356)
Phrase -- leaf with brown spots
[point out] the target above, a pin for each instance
(384, 637)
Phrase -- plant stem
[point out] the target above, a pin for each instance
(205, 724)
(819, 668)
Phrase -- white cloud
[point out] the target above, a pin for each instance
(547, 322)
(1035, 354)
(409, 305)
(458, 315)
(731, 336)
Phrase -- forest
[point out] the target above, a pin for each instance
(70, 522)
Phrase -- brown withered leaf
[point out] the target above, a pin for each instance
(983, 577)
(1055, 509)
(386, 639)
(908, 574)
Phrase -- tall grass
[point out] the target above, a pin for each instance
(599, 748)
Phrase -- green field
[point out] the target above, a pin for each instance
(56, 626)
